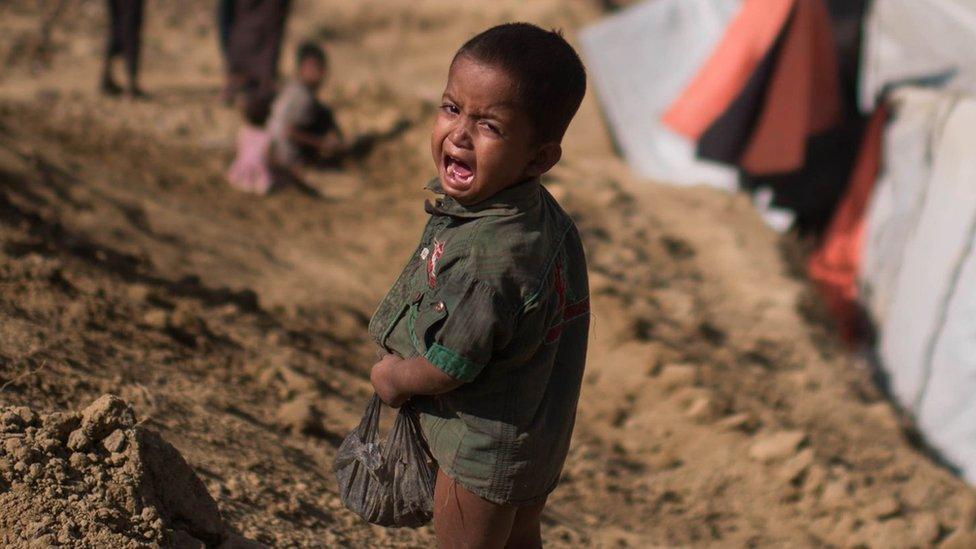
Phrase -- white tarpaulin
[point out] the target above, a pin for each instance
(639, 61)
(918, 116)
(919, 270)
(918, 41)
(948, 402)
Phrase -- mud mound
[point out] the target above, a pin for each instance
(97, 478)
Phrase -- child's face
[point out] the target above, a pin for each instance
(482, 141)
(311, 72)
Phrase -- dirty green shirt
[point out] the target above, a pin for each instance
(496, 296)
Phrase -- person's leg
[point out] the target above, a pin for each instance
(225, 19)
(465, 520)
(113, 45)
(240, 48)
(132, 42)
(225, 22)
(526, 530)
(267, 50)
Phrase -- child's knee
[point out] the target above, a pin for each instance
(463, 519)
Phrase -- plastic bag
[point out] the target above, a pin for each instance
(389, 485)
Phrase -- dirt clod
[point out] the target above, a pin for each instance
(797, 465)
(115, 442)
(673, 376)
(885, 508)
(105, 415)
(67, 492)
(776, 446)
(78, 440)
(300, 416)
(960, 539)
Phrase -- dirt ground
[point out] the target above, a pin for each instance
(717, 409)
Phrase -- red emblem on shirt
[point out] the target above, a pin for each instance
(435, 254)
(567, 311)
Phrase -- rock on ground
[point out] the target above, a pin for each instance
(776, 446)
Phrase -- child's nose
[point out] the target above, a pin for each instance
(460, 136)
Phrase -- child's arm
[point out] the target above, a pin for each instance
(332, 143)
(327, 144)
(395, 379)
(307, 139)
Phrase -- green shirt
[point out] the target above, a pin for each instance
(496, 296)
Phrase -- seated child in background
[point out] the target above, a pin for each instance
(251, 169)
(486, 328)
(303, 130)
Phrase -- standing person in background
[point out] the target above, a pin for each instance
(257, 28)
(225, 22)
(124, 39)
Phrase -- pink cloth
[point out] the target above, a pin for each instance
(251, 169)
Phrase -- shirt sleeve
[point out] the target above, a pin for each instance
(466, 322)
(290, 108)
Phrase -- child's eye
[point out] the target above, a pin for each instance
(491, 128)
(450, 109)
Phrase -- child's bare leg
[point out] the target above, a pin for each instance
(526, 529)
(463, 519)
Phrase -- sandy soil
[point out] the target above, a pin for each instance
(717, 408)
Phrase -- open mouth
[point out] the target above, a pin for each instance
(460, 174)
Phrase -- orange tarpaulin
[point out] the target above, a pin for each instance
(802, 97)
(771, 83)
(745, 43)
(834, 266)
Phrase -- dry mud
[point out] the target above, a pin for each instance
(96, 478)
(717, 408)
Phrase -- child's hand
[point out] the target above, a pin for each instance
(330, 145)
(383, 378)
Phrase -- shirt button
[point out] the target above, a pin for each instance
(424, 253)
(439, 307)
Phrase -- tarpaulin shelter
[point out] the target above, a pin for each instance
(639, 60)
(920, 42)
(903, 244)
(906, 43)
(771, 83)
(688, 85)
(834, 266)
(917, 271)
(756, 86)
(899, 192)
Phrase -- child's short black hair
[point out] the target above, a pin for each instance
(310, 50)
(550, 76)
(257, 107)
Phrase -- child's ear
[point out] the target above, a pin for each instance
(545, 158)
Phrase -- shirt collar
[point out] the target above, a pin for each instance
(510, 201)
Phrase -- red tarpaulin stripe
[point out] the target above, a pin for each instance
(834, 266)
